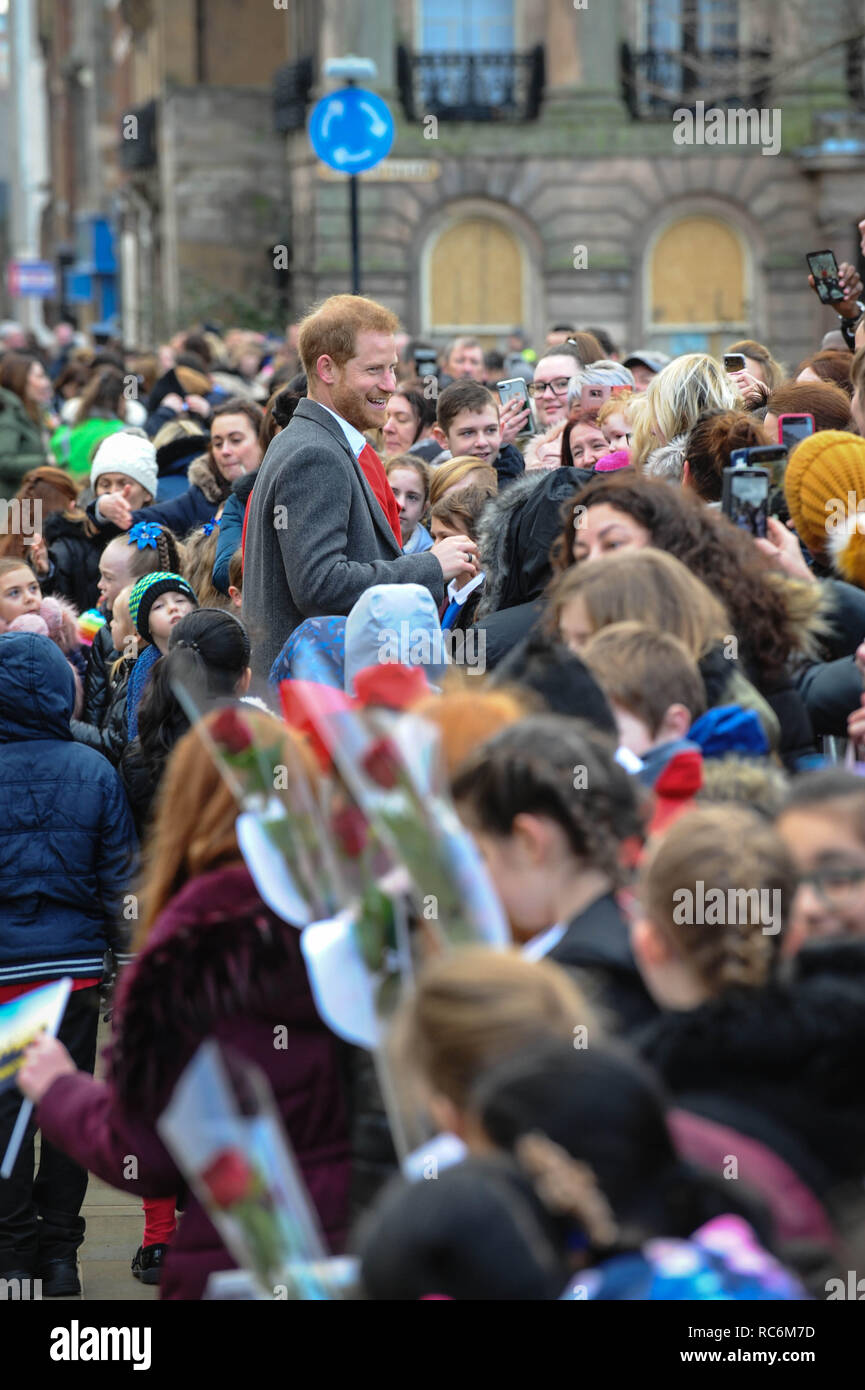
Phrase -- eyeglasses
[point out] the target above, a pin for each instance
(835, 884)
(558, 387)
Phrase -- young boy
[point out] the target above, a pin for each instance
(656, 693)
(458, 514)
(467, 422)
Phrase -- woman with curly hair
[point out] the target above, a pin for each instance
(772, 618)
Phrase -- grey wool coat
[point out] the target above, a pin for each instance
(316, 536)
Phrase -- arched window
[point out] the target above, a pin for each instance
(476, 278)
(697, 285)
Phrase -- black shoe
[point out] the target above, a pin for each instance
(147, 1263)
(60, 1277)
(16, 1284)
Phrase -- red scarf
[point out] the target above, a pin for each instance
(373, 471)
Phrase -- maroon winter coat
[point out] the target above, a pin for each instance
(217, 964)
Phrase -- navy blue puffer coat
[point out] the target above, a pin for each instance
(67, 842)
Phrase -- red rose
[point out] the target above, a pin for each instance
(351, 830)
(390, 685)
(299, 699)
(228, 1178)
(230, 731)
(381, 762)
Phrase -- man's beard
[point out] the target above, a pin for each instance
(353, 406)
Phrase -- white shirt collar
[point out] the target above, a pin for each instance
(462, 594)
(356, 441)
(541, 945)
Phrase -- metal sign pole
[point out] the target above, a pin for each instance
(354, 223)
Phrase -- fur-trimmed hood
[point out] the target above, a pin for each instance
(793, 1050)
(668, 460)
(516, 532)
(202, 474)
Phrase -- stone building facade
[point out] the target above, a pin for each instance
(589, 211)
(535, 173)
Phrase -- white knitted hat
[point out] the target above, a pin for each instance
(130, 455)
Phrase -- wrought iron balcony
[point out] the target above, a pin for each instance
(471, 86)
(138, 142)
(856, 71)
(657, 82)
(292, 85)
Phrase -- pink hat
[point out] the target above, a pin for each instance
(608, 463)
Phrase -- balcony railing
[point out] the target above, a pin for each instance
(856, 71)
(138, 138)
(292, 85)
(657, 82)
(471, 86)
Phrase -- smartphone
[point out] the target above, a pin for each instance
(425, 361)
(515, 387)
(794, 428)
(771, 456)
(745, 498)
(824, 267)
(734, 361)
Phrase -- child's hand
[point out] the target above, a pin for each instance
(39, 555)
(44, 1060)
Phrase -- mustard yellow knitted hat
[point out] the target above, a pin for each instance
(825, 489)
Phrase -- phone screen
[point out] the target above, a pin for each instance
(734, 361)
(794, 431)
(824, 268)
(746, 499)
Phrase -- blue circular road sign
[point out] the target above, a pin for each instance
(351, 130)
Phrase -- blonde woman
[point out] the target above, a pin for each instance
(685, 389)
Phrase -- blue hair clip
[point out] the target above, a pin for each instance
(145, 534)
(208, 527)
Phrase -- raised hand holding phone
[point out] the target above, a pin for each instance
(750, 388)
(514, 419)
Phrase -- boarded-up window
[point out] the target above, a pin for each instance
(697, 276)
(476, 279)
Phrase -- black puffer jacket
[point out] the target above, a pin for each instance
(782, 1064)
(74, 557)
(97, 681)
(108, 734)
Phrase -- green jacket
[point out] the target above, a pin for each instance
(21, 446)
(72, 445)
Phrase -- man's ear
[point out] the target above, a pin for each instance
(686, 475)
(440, 436)
(325, 368)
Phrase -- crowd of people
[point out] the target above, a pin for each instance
(651, 721)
